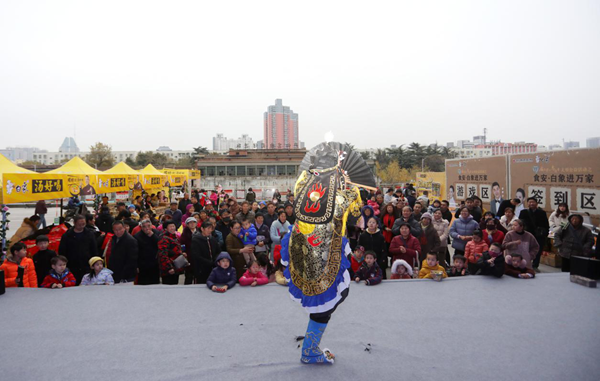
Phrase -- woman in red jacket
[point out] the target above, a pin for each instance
(16, 258)
(405, 246)
(387, 221)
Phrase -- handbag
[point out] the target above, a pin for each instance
(180, 262)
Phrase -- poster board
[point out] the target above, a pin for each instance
(432, 182)
(485, 177)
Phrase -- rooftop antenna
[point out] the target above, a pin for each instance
(484, 136)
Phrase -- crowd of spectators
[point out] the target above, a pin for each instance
(211, 238)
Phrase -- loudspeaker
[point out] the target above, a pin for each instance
(585, 267)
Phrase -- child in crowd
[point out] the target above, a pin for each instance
(253, 276)
(42, 258)
(431, 264)
(460, 266)
(356, 259)
(223, 274)
(99, 275)
(474, 249)
(369, 271)
(516, 267)
(265, 266)
(491, 262)
(248, 236)
(401, 270)
(373, 204)
(279, 268)
(16, 258)
(59, 276)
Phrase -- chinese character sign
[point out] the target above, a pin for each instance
(471, 190)
(539, 193)
(28, 187)
(588, 200)
(559, 195)
(485, 193)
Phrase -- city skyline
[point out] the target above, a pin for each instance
(418, 72)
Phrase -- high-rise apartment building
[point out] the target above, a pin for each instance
(592, 142)
(281, 127)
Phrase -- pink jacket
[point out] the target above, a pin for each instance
(248, 278)
(375, 206)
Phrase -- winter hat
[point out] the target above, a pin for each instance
(93, 260)
(509, 261)
(41, 238)
(208, 202)
(190, 219)
(427, 215)
(401, 262)
(360, 248)
(130, 206)
(575, 215)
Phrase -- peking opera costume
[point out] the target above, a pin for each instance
(316, 248)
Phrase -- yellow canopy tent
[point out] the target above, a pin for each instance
(120, 178)
(153, 178)
(8, 167)
(81, 179)
(177, 177)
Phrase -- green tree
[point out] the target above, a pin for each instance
(130, 162)
(100, 156)
(156, 159)
(435, 163)
(382, 157)
(199, 153)
(186, 161)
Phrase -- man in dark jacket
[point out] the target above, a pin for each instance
(147, 239)
(130, 223)
(175, 214)
(407, 217)
(446, 213)
(512, 203)
(185, 201)
(473, 210)
(78, 245)
(536, 222)
(574, 239)
(224, 225)
(104, 220)
(250, 196)
(123, 254)
(205, 250)
(270, 215)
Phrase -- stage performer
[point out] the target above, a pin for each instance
(315, 250)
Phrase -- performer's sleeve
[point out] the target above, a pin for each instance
(285, 253)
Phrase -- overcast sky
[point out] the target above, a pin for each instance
(140, 74)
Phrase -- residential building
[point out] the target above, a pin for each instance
(570, 144)
(281, 127)
(19, 154)
(592, 142)
(222, 144)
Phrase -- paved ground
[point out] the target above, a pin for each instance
(475, 328)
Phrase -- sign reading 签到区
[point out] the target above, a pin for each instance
(571, 176)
